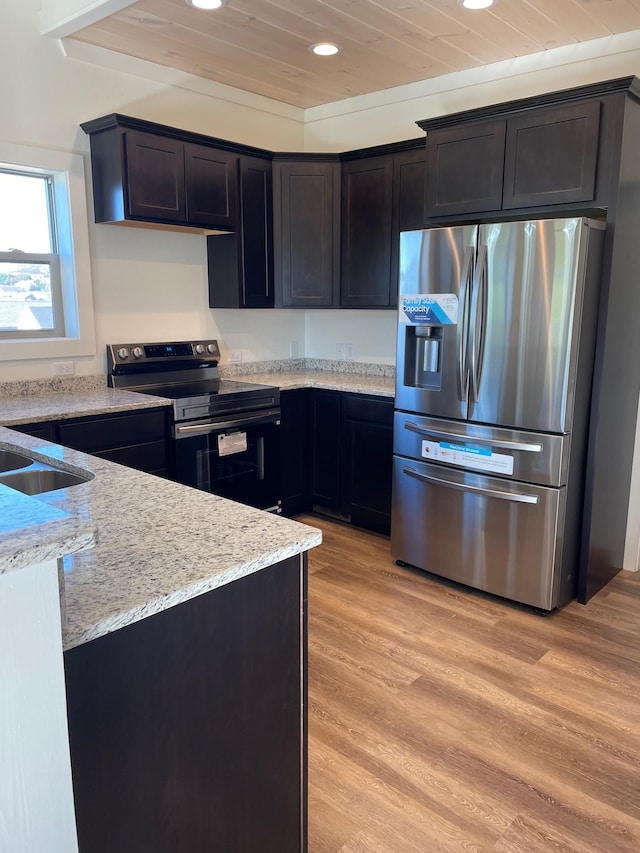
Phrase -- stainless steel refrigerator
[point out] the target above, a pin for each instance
(496, 330)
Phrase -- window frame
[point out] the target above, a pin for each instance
(69, 202)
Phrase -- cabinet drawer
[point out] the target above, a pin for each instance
(365, 409)
(45, 430)
(150, 457)
(108, 433)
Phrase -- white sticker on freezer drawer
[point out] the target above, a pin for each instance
(233, 442)
(468, 456)
(416, 309)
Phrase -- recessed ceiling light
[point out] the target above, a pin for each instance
(476, 4)
(206, 4)
(324, 48)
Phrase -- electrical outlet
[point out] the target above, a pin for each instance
(64, 368)
(341, 352)
(350, 352)
(235, 355)
(293, 349)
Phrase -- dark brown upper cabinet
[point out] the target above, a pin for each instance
(551, 156)
(381, 196)
(464, 169)
(240, 264)
(143, 172)
(211, 186)
(154, 187)
(537, 155)
(306, 202)
(408, 206)
(366, 232)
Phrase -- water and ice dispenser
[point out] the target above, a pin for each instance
(423, 356)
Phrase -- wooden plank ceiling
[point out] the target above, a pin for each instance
(262, 46)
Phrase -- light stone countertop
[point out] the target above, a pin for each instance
(159, 543)
(60, 405)
(64, 402)
(355, 383)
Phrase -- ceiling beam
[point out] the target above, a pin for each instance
(60, 18)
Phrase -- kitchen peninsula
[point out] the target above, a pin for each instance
(184, 631)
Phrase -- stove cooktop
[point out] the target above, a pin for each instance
(203, 388)
(215, 398)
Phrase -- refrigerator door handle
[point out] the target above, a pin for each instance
(474, 439)
(515, 497)
(477, 323)
(462, 329)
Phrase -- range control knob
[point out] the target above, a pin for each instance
(123, 353)
(199, 348)
(137, 352)
(212, 348)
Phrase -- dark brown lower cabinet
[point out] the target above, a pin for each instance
(295, 461)
(138, 439)
(367, 461)
(326, 445)
(188, 729)
(338, 456)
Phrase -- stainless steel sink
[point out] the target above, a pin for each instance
(37, 478)
(11, 461)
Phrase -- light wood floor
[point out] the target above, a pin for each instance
(444, 720)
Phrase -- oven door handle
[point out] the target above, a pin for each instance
(188, 430)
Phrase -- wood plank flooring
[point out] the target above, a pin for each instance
(445, 720)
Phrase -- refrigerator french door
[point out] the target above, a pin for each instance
(496, 327)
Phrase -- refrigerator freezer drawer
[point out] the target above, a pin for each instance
(491, 534)
(528, 456)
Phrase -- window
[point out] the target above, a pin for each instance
(45, 284)
(30, 290)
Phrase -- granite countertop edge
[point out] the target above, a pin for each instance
(133, 544)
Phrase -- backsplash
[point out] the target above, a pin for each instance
(80, 384)
(288, 365)
(55, 385)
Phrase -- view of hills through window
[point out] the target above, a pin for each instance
(27, 253)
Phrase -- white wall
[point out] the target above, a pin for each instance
(371, 333)
(147, 284)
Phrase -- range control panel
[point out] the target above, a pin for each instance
(175, 352)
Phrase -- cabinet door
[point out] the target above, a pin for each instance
(408, 205)
(211, 184)
(366, 232)
(307, 234)
(295, 464)
(188, 729)
(240, 265)
(367, 461)
(256, 233)
(551, 155)
(325, 455)
(155, 177)
(465, 169)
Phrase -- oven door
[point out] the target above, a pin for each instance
(236, 458)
